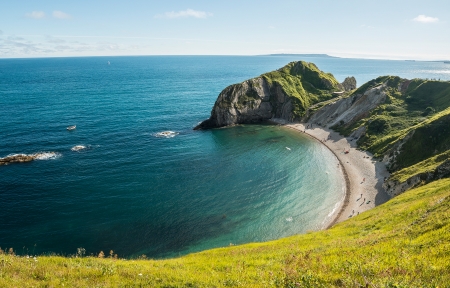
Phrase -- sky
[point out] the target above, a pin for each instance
(381, 29)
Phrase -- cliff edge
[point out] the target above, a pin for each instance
(285, 93)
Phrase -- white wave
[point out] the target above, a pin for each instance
(336, 206)
(78, 148)
(288, 148)
(167, 134)
(289, 219)
(45, 155)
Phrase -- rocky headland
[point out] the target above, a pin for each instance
(401, 123)
(285, 94)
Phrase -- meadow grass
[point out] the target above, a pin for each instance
(402, 243)
(304, 83)
(427, 166)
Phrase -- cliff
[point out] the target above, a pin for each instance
(404, 123)
(285, 93)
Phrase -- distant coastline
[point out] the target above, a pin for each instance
(304, 55)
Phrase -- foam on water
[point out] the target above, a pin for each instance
(46, 155)
(36, 156)
(166, 134)
(77, 148)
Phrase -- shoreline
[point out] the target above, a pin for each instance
(363, 176)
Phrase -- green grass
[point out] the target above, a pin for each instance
(422, 108)
(402, 243)
(304, 83)
(427, 166)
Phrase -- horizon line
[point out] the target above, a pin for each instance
(317, 55)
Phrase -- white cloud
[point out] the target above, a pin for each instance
(61, 15)
(184, 14)
(425, 19)
(36, 15)
(55, 40)
(1, 32)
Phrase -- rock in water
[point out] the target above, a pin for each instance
(18, 158)
(285, 93)
(21, 158)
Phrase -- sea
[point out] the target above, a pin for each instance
(135, 178)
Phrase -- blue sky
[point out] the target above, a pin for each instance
(392, 29)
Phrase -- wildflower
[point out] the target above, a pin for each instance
(140, 274)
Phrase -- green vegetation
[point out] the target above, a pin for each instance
(427, 166)
(304, 83)
(417, 110)
(402, 243)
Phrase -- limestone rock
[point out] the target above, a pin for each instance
(348, 110)
(285, 94)
(18, 158)
(22, 158)
(349, 83)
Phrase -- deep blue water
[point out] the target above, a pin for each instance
(134, 192)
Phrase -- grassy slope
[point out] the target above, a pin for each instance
(402, 243)
(427, 166)
(304, 83)
(423, 107)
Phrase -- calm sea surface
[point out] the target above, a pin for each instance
(137, 192)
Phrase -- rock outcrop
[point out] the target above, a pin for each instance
(22, 158)
(345, 111)
(285, 94)
(394, 188)
(349, 83)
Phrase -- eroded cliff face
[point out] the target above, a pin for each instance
(252, 101)
(285, 93)
(394, 188)
(348, 110)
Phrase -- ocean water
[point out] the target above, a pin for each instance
(136, 191)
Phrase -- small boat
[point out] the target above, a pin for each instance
(70, 128)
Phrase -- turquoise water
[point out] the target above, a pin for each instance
(136, 192)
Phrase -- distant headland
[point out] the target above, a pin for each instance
(302, 55)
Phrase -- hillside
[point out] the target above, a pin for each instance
(402, 122)
(285, 93)
(409, 248)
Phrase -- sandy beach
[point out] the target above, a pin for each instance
(364, 176)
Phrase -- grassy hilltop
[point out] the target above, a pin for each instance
(402, 243)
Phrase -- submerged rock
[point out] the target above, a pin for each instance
(78, 148)
(18, 158)
(22, 158)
